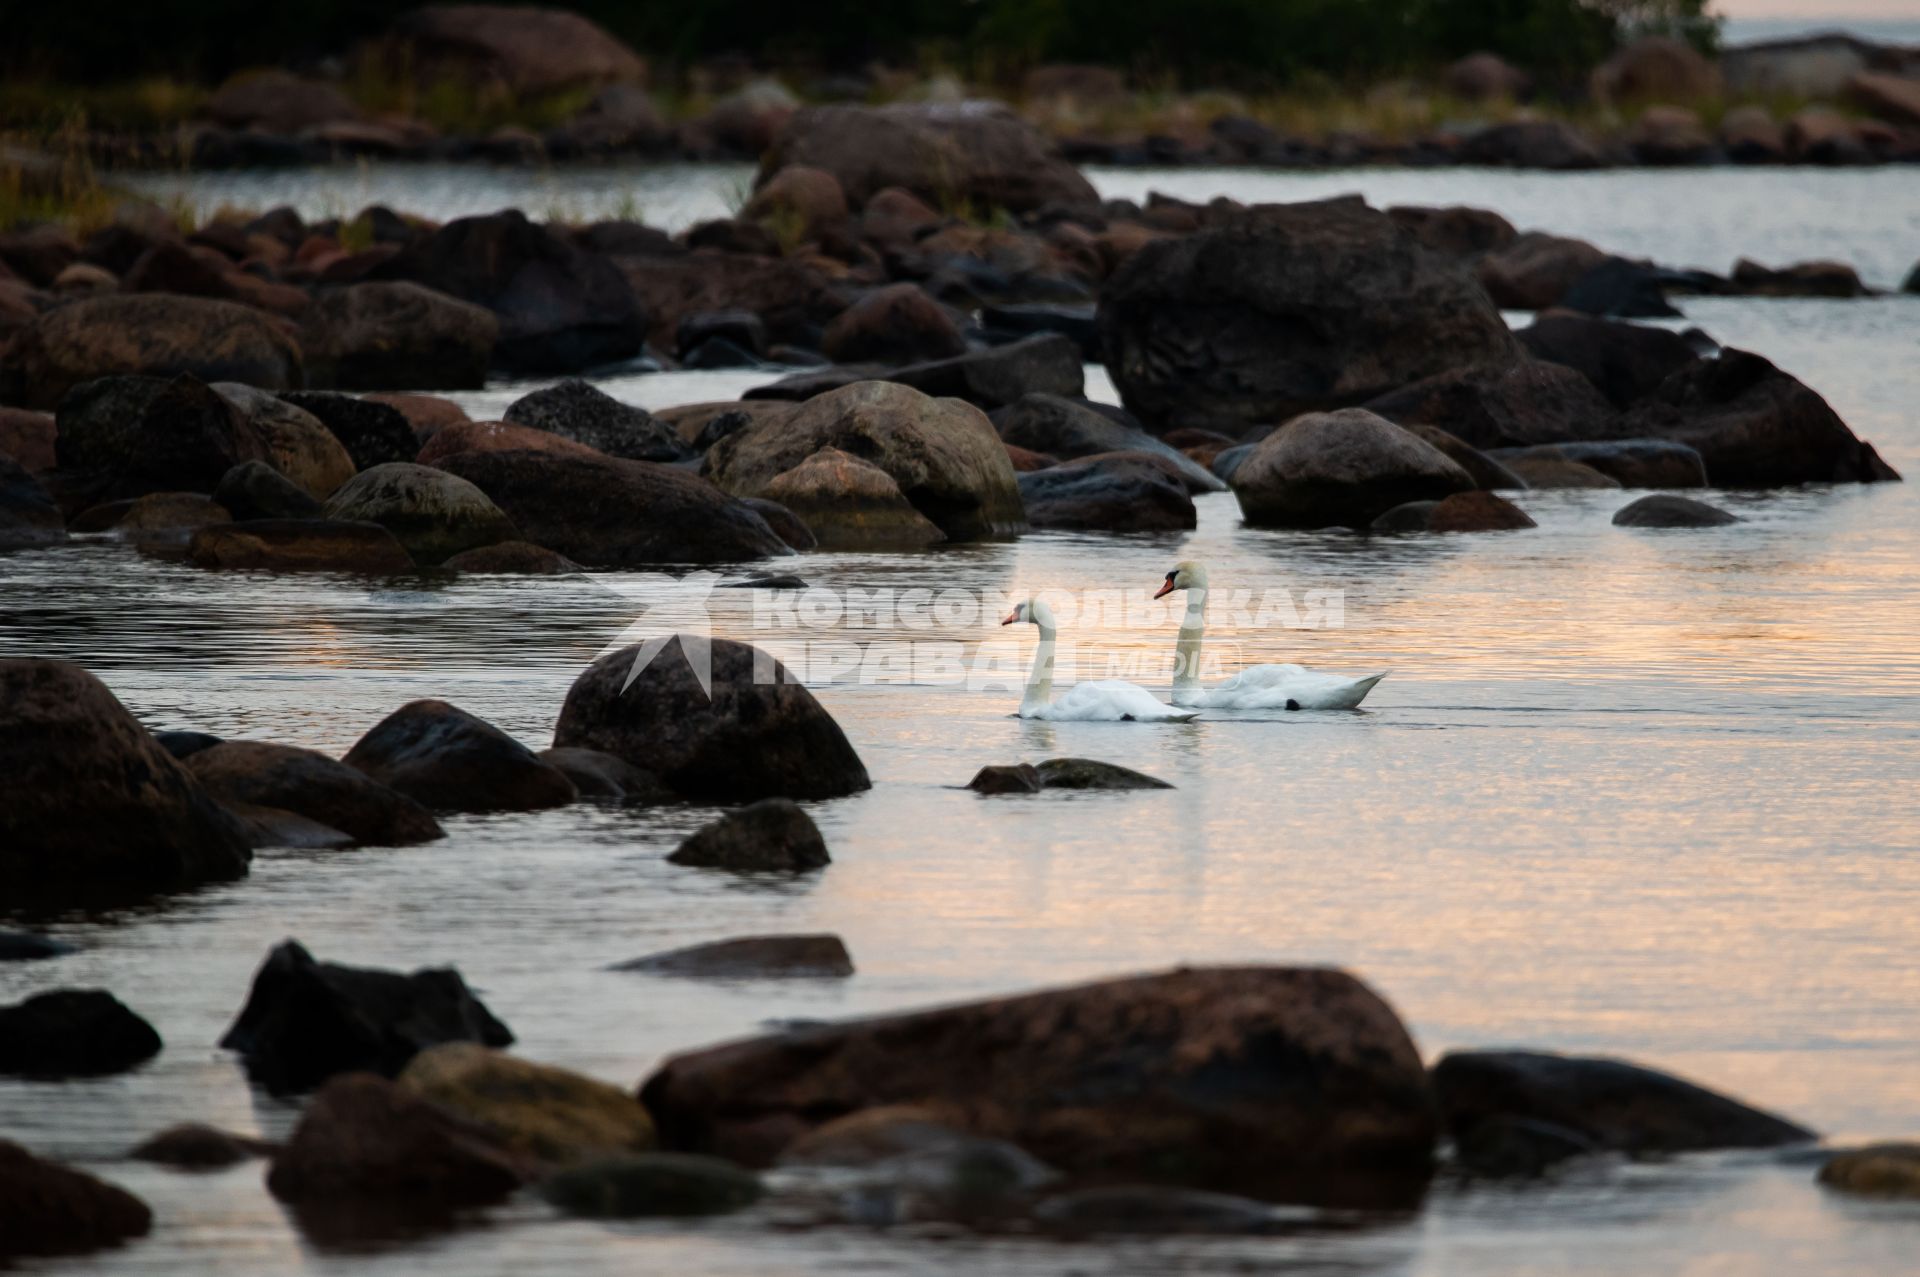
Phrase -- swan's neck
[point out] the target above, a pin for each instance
(1186, 650)
(1040, 677)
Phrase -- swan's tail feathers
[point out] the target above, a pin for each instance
(1183, 716)
(1361, 686)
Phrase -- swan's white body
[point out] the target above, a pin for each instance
(1257, 686)
(1107, 700)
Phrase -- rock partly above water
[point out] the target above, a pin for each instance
(535, 1110)
(73, 1033)
(652, 1184)
(1666, 511)
(309, 784)
(810, 957)
(47, 1209)
(774, 835)
(1340, 468)
(445, 758)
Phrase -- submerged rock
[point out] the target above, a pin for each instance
(1340, 468)
(652, 1184)
(73, 1033)
(312, 785)
(811, 957)
(759, 733)
(1006, 778)
(1067, 429)
(515, 558)
(1632, 463)
(1878, 1170)
(47, 1209)
(435, 515)
(1297, 1084)
(1665, 511)
(1461, 512)
(1111, 492)
(1159, 1211)
(601, 775)
(445, 758)
(26, 946)
(774, 835)
(194, 1146)
(96, 807)
(1613, 1103)
(1518, 1148)
(299, 545)
(1088, 773)
(306, 1021)
(1558, 472)
(536, 1110)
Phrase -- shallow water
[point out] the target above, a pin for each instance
(1642, 793)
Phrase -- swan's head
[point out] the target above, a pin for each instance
(1031, 612)
(1186, 575)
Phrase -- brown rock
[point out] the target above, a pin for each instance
(800, 202)
(1656, 69)
(195, 1146)
(445, 758)
(396, 336)
(1340, 468)
(525, 49)
(310, 784)
(152, 334)
(898, 324)
(1536, 270)
(48, 1209)
(810, 957)
(1485, 77)
(498, 436)
(1503, 405)
(1477, 512)
(1752, 136)
(278, 102)
(1886, 96)
(298, 444)
(848, 504)
(1669, 135)
(427, 414)
(26, 438)
(535, 1110)
(299, 545)
(1878, 1170)
(516, 558)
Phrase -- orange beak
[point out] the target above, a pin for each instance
(1012, 617)
(1165, 589)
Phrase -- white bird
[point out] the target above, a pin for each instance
(1257, 686)
(1108, 700)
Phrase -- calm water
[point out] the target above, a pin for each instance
(1640, 793)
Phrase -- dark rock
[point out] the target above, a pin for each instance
(1802, 279)
(518, 558)
(277, 827)
(758, 734)
(1615, 1104)
(299, 545)
(1482, 469)
(1014, 321)
(1619, 289)
(255, 490)
(27, 439)
(47, 1209)
(373, 433)
(150, 334)
(362, 1137)
(443, 757)
(1665, 511)
(773, 835)
(560, 309)
(1755, 426)
(1409, 516)
(1626, 362)
(298, 444)
(312, 785)
(639, 1185)
(577, 411)
(605, 512)
(1112, 492)
(741, 328)
(1462, 512)
(1069, 429)
(1340, 468)
(435, 515)
(600, 775)
(794, 297)
(1535, 270)
(944, 456)
(1542, 144)
(1287, 309)
(184, 744)
(193, 1146)
(1501, 405)
(988, 379)
(1088, 773)
(1296, 1084)
(96, 806)
(809, 957)
(535, 1110)
(717, 353)
(28, 514)
(897, 324)
(1159, 1211)
(845, 503)
(1633, 463)
(396, 335)
(1006, 778)
(25, 946)
(158, 517)
(1558, 472)
(1878, 1170)
(73, 1033)
(278, 102)
(786, 524)
(1460, 232)
(137, 435)
(1518, 1148)
(306, 1021)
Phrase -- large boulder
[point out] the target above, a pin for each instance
(1508, 404)
(373, 433)
(1655, 68)
(756, 734)
(536, 1110)
(1109, 492)
(898, 324)
(310, 784)
(774, 835)
(497, 436)
(605, 512)
(575, 410)
(1625, 362)
(519, 48)
(1613, 1103)
(976, 153)
(1294, 1084)
(47, 1209)
(299, 445)
(794, 297)
(1055, 426)
(299, 545)
(1632, 463)
(560, 308)
(305, 1020)
(435, 515)
(150, 334)
(28, 512)
(396, 335)
(1343, 468)
(1538, 144)
(943, 453)
(850, 504)
(363, 1139)
(73, 1033)
(1665, 510)
(1286, 309)
(1456, 230)
(1754, 426)
(96, 806)
(445, 758)
(1536, 270)
(255, 490)
(128, 436)
(278, 102)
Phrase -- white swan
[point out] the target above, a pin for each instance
(1108, 700)
(1257, 686)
